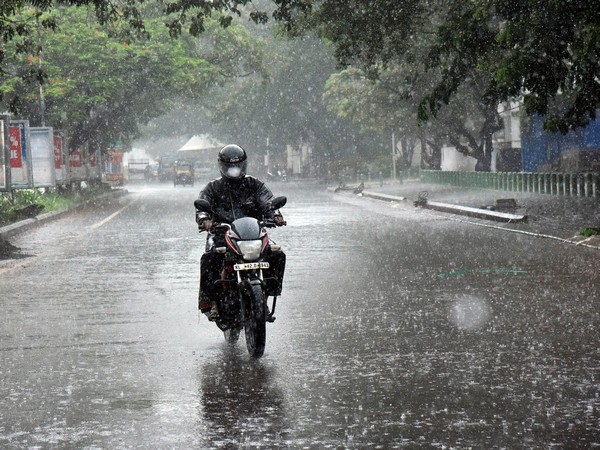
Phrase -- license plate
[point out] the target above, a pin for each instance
(251, 266)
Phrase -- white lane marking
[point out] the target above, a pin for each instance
(112, 216)
(11, 264)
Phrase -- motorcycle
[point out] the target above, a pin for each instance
(245, 246)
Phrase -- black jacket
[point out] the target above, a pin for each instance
(232, 199)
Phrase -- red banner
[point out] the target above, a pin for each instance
(16, 154)
(115, 155)
(76, 158)
(57, 152)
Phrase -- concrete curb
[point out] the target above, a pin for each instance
(453, 209)
(475, 212)
(27, 224)
(580, 241)
(384, 197)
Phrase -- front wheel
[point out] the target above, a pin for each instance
(255, 327)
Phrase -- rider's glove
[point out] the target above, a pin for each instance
(278, 219)
(205, 224)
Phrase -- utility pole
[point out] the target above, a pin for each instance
(5, 122)
(40, 79)
(393, 157)
(267, 159)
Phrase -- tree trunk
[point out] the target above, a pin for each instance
(431, 155)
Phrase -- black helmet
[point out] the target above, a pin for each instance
(233, 162)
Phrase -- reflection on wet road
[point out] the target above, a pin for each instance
(396, 329)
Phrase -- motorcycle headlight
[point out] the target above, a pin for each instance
(250, 249)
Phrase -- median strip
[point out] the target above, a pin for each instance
(475, 212)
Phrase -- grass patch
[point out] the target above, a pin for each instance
(29, 202)
(589, 231)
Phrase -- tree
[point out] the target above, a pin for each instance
(284, 106)
(100, 85)
(382, 106)
(14, 24)
(391, 101)
(545, 51)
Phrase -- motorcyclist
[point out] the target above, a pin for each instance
(232, 196)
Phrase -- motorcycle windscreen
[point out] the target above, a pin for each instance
(246, 228)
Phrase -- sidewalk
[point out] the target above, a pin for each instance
(559, 217)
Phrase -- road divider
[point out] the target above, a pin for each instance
(479, 213)
(451, 210)
(475, 212)
(385, 197)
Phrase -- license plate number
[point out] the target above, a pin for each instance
(251, 266)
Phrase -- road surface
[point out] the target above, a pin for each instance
(397, 328)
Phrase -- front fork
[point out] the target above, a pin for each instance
(259, 273)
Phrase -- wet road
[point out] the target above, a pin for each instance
(396, 329)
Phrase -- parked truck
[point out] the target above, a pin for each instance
(136, 169)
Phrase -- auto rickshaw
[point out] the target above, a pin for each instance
(184, 173)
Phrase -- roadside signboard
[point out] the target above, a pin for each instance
(93, 162)
(16, 147)
(76, 158)
(42, 152)
(77, 164)
(60, 160)
(20, 158)
(113, 167)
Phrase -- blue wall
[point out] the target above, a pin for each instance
(539, 146)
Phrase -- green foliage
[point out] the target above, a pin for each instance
(446, 63)
(283, 105)
(9, 209)
(391, 103)
(50, 201)
(100, 83)
(590, 231)
(545, 51)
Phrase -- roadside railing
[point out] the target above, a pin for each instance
(581, 184)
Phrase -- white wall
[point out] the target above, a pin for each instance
(452, 160)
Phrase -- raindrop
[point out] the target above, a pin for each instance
(469, 313)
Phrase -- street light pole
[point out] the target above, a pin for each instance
(5, 121)
(40, 79)
(267, 160)
(393, 157)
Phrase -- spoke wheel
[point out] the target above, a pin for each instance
(256, 325)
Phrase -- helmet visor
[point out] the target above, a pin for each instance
(233, 171)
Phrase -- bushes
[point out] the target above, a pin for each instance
(30, 202)
(589, 231)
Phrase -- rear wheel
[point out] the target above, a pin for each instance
(256, 325)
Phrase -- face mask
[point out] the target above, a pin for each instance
(234, 172)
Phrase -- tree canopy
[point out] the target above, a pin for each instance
(545, 51)
(98, 84)
(477, 52)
